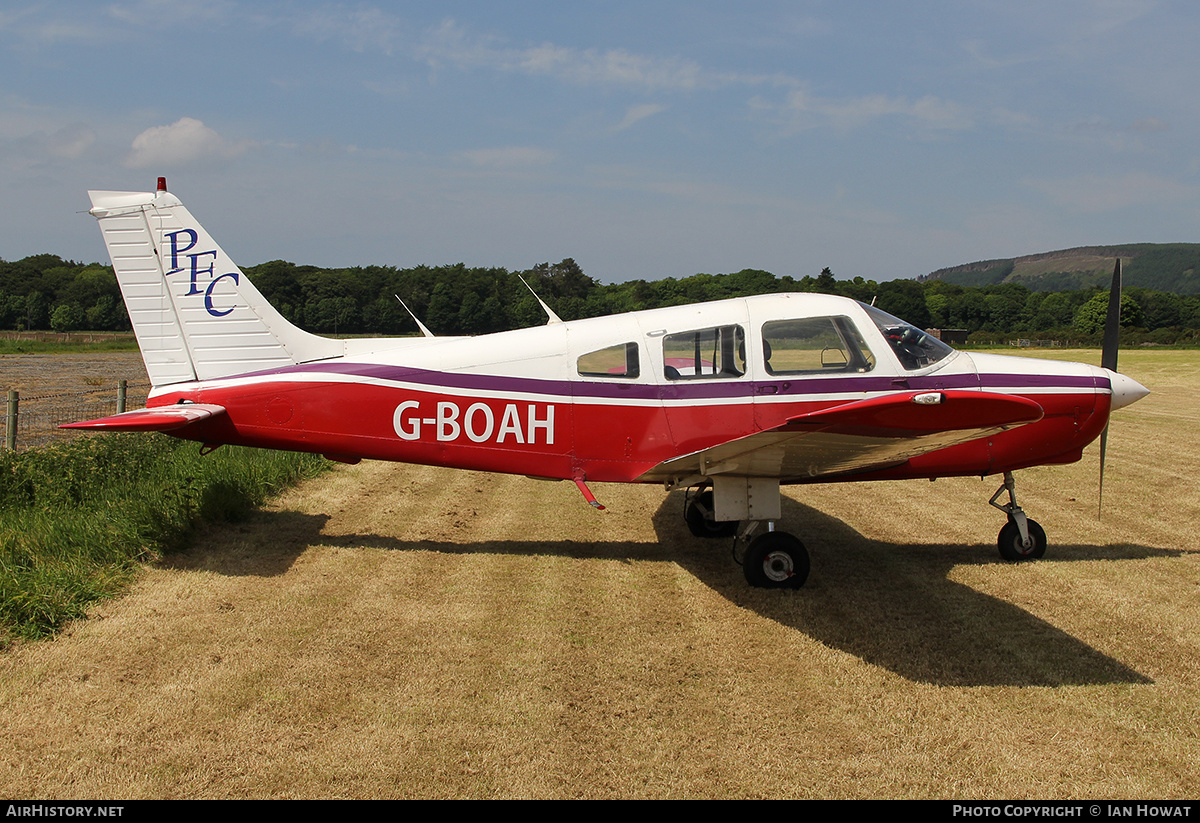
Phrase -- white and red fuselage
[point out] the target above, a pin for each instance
(515, 401)
(730, 399)
(792, 387)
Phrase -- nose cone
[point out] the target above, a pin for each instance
(1125, 390)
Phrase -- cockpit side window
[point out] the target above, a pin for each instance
(705, 353)
(620, 360)
(914, 348)
(813, 345)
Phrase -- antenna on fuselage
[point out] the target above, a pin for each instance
(416, 320)
(554, 318)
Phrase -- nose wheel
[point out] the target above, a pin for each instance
(1021, 538)
(1015, 549)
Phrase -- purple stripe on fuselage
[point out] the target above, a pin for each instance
(684, 389)
(1043, 381)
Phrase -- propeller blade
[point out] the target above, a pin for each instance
(1108, 359)
(1103, 448)
(1112, 324)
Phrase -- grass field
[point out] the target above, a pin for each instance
(402, 631)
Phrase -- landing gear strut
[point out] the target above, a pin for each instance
(698, 513)
(773, 560)
(1021, 538)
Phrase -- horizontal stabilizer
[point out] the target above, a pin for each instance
(158, 419)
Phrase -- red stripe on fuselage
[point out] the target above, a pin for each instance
(555, 436)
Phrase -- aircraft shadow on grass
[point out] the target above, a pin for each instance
(891, 605)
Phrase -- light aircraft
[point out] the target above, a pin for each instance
(728, 400)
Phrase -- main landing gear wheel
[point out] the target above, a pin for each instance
(1014, 550)
(776, 560)
(698, 514)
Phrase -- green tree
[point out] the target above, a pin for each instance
(904, 299)
(37, 312)
(1053, 312)
(442, 317)
(108, 314)
(939, 310)
(826, 282)
(67, 317)
(1092, 315)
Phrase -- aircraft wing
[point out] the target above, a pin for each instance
(157, 419)
(855, 437)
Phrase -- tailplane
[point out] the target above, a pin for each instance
(195, 314)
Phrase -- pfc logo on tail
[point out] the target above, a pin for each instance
(195, 269)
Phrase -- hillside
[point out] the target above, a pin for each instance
(1171, 267)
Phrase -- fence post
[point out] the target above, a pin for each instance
(121, 386)
(10, 425)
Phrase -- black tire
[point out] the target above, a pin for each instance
(1011, 548)
(776, 560)
(699, 523)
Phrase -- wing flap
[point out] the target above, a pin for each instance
(855, 437)
(157, 419)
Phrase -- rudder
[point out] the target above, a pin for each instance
(194, 312)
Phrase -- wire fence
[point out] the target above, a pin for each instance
(1029, 343)
(68, 337)
(33, 420)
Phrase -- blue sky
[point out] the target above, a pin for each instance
(648, 139)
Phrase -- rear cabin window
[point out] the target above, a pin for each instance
(813, 345)
(705, 353)
(620, 360)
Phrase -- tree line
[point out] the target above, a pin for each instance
(45, 292)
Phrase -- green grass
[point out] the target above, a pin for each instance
(78, 519)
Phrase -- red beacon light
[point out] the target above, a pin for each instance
(162, 184)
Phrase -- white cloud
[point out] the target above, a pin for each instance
(42, 25)
(162, 13)
(1149, 124)
(39, 30)
(509, 157)
(29, 134)
(978, 50)
(1106, 17)
(187, 141)
(619, 67)
(1099, 193)
(361, 29)
(69, 142)
(801, 110)
(638, 113)
(450, 44)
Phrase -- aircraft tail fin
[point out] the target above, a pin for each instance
(195, 313)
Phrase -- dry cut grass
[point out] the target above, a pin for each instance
(399, 631)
